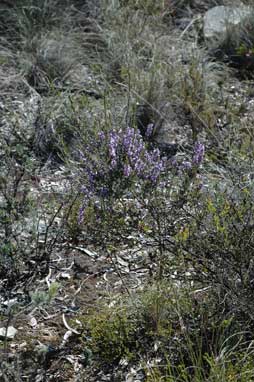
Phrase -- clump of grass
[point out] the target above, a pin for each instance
(23, 19)
(233, 364)
(62, 38)
(198, 90)
(49, 61)
(63, 122)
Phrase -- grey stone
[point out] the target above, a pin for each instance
(22, 113)
(219, 20)
(170, 130)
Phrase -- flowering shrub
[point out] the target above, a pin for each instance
(114, 160)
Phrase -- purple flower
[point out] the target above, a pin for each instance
(87, 198)
(128, 138)
(101, 136)
(173, 162)
(103, 192)
(113, 163)
(199, 152)
(127, 170)
(149, 130)
(186, 165)
(113, 144)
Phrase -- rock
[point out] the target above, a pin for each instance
(82, 265)
(81, 78)
(21, 112)
(168, 130)
(65, 275)
(168, 149)
(218, 21)
(9, 335)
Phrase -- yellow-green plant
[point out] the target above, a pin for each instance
(112, 335)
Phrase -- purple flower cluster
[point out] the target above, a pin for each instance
(199, 153)
(118, 157)
(113, 160)
(196, 161)
(133, 156)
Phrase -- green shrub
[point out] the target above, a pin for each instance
(25, 221)
(219, 244)
(112, 335)
(181, 326)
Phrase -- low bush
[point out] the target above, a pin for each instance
(218, 244)
(111, 335)
(26, 231)
(181, 331)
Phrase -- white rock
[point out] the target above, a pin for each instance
(9, 335)
(33, 322)
(218, 21)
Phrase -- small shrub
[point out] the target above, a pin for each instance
(21, 213)
(219, 245)
(71, 215)
(40, 298)
(112, 335)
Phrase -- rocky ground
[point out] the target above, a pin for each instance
(92, 66)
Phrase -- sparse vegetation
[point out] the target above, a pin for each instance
(126, 193)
